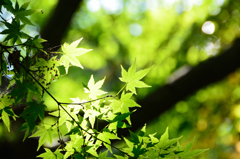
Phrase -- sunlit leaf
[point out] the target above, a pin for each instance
(44, 134)
(94, 88)
(132, 78)
(6, 120)
(70, 53)
(189, 154)
(92, 151)
(51, 155)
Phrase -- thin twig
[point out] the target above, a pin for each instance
(92, 134)
(88, 101)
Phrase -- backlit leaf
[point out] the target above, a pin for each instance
(6, 120)
(44, 134)
(131, 78)
(94, 88)
(70, 53)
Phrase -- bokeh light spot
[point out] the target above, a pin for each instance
(93, 5)
(236, 92)
(202, 124)
(236, 111)
(182, 107)
(112, 6)
(202, 96)
(208, 27)
(135, 29)
(220, 2)
(225, 127)
(238, 126)
(237, 146)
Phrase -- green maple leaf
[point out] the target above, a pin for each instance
(92, 150)
(23, 89)
(6, 112)
(131, 78)
(34, 92)
(6, 119)
(6, 100)
(116, 121)
(30, 114)
(47, 155)
(21, 13)
(19, 92)
(75, 130)
(163, 140)
(48, 70)
(189, 154)
(91, 114)
(34, 109)
(94, 88)
(154, 140)
(51, 155)
(165, 145)
(74, 145)
(106, 137)
(36, 44)
(104, 155)
(28, 127)
(76, 108)
(137, 143)
(8, 5)
(70, 52)
(2, 3)
(14, 31)
(45, 135)
(124, 104)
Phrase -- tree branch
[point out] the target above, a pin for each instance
(57, 25)
(205, 73)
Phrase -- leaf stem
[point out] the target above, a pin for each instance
(121, 90)
(57, 52)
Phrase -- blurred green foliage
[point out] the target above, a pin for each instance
(212, 115)
(168, 35)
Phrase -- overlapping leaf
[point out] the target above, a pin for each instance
(44, 134)
(2, 3)
(190, 154)
(132, 78)
(48, 70)
(6, 112)
(51, 155)
(94, 88)
(14, 32)
(34, 45)
(22, 12)
(64, 116)
(106, 137)
(6, 100)
(23, 89)
(124, 104)
(33, 111)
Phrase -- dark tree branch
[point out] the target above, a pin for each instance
(205, 73)
(57, 25)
